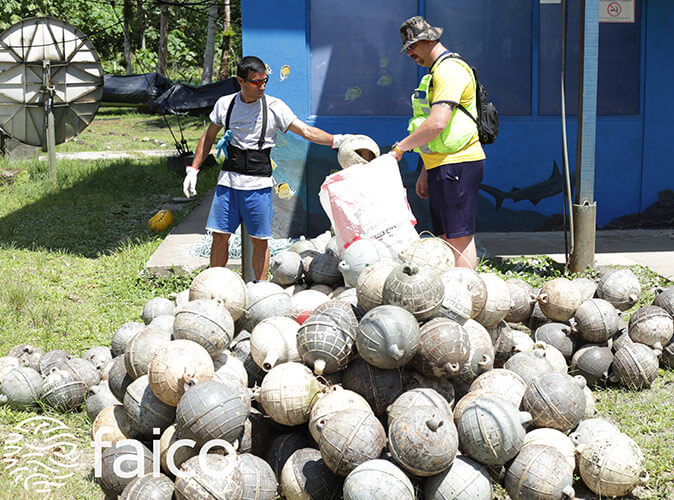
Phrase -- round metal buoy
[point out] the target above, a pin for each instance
(377, 480)
(593, 428)
(98, 398)
(664, 297)
(559, 299)
(558, 335)
(123, 336)
(274, 341)
(416, 288)
(286, 268)
(481, 357)
(557, 439)
(283, 446)
(444, 348)
(52, 359)
(111, 425)
(423, 440)
(156, 307)
(635, 365)
(329, 402)
(651, 325)
(491, 430)
(612, 468)
(99, 356)
(350, 438)
(118, 378)
(27, 354)
(324, 269)
(221, 284)
(420, 397)
(620, 287)
(306, 476)
(62, 390)
(142, 348)
(506, 384)
(259, 481)
(464, 480)
(21, 387)
(370, 284)
(211, 410)
(149, 487)
(288, 392)
(497, 305)
(358, 256)
(586, 286)
(530, 364)
(264, 300)
(145, 411)
(475, 285)
(458, 302)
(326, 340)
(206, 322)
(539, 472)
(522, 300)
(555, 400)
(388, 337)
(118, 464)
(432, 252)
(593, 362)
(379, 387)
(210, 476)
(596, 320)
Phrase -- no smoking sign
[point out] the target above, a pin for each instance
(616, 11)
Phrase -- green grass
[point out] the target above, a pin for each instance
(71, 260)
(126, 129)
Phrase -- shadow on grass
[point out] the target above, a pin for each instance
(101, 206)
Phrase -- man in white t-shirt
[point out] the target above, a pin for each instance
(244, 191)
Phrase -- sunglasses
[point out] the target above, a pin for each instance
(259, 83)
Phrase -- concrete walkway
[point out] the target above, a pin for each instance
(652, 248)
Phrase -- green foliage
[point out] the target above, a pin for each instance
(101, 21)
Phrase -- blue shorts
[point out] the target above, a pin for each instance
(452, 192)
(231, 206)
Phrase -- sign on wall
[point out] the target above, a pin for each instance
(616, 11)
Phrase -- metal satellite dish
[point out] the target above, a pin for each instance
(51, 82)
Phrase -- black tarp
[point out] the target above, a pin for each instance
(140, 90)
(188, 99)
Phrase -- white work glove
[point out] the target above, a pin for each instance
(338, 139)
(190, 182)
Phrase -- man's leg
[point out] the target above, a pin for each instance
(260, 258)
(465, 254)
(220, 249)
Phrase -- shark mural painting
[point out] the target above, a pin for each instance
(552, 186)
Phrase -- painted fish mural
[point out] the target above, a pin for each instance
(552, 186)
(352, 93)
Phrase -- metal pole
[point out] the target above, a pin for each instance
(48, 93)
(585, 208)
(246, 256)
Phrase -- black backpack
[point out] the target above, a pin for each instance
(487, 116)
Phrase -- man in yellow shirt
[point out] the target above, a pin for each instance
(446, 137)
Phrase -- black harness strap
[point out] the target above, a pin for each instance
(263, 132)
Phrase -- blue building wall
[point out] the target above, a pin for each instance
(633, 146)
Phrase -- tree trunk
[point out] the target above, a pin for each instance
(127, 12)
(209, 51)
(142, 22)
(162, 52)
(227, 33)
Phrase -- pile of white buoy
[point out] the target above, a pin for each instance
(363, 375)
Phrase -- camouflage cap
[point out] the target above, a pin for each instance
(417, 28)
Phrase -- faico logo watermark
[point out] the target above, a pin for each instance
(131, 463)
(41, 454)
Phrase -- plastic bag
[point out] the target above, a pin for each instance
(369, 201)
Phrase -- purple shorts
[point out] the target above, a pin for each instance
(452, 190)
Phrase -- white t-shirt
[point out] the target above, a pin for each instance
(246, 125)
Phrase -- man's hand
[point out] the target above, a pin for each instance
(338, 139)
(190, 182)
(422, 184)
